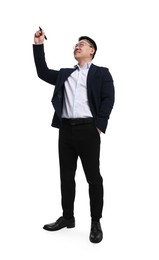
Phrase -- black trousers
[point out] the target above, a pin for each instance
(81, 140)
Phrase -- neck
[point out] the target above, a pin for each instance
(81, 63)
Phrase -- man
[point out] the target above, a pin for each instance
(83, 99)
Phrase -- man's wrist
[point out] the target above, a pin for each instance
(99, 131)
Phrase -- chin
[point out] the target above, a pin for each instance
(76, 56)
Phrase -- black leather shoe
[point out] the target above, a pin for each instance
(96, 234)
(60, 223)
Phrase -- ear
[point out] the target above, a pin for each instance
(92, 51)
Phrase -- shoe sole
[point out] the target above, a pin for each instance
(70, 225)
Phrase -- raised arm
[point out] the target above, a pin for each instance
(44, 73)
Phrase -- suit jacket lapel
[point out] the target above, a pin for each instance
(64, 74)
(58, 92)
(90, 75)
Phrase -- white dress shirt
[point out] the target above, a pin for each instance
(75, 103)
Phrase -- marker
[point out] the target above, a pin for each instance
(41, 31)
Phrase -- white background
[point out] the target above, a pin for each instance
(126, 33)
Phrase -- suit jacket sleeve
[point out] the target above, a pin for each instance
(107, 100)
(44, 73)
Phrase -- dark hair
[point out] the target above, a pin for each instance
(91, 41)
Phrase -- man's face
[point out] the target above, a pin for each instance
(83, 50)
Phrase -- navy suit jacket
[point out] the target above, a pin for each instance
(100, 89)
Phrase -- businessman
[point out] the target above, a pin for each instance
(83, 99)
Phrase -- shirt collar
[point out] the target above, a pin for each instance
(86, 66)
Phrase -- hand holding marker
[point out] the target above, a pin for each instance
(41, 31)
